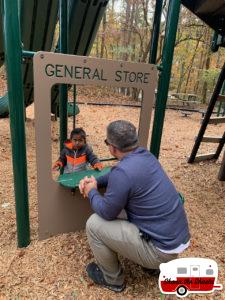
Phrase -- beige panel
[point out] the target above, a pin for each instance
(60, 210)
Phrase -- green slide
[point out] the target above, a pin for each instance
(38, 20)
(84, 20)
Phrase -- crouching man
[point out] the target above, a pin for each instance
(156, 228)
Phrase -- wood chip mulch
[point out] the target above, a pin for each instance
(55, 268)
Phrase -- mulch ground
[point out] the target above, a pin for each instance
(55, 268)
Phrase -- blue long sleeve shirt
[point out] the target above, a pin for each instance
(140, 186)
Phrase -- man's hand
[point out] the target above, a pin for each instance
(87, 184)
(82, 184)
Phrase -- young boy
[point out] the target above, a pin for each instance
(76, 154)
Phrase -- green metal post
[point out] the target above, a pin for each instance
(13, 53)
(63, 40)
(29, 54)
(164, 78)
(155, 32)
(74, 104)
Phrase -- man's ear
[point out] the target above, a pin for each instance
(113, 150)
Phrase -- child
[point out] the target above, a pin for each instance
(76, 154)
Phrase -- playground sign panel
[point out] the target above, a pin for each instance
(56, 203)
(94, 70)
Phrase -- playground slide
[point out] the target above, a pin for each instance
(38, 21)
(84, 20)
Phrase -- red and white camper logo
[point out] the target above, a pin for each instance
(189, 275)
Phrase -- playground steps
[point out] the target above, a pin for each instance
(211, 139)
(203, 157)
(208, 120)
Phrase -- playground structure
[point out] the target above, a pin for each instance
(81, 19)
(209, 120)
(50, 69)
(38, 21)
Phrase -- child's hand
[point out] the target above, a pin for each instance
(98, 166)
(57, 166)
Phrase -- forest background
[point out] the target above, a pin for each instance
(125, 34)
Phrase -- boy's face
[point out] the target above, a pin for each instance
(77, 141)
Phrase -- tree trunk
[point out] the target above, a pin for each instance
(181, 77)
(103, 35)
(205, 84)
(97, 46)
(207, 65)
(191, 64)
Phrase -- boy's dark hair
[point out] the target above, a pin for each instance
(79, 131)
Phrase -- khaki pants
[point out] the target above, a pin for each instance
(108, 238)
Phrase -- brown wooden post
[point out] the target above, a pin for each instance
(221, 175)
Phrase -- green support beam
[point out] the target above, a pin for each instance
(63, 90)
(13, 54)
(155, 32)
(164, 78)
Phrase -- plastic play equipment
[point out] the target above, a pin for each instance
(38, 20)
(84, 18)
(54, 198)
(213, 14)
(71, 180)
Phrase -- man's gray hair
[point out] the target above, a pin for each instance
(123, 135)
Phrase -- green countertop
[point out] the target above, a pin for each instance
(72, 180)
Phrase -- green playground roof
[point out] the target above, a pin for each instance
(212, 12)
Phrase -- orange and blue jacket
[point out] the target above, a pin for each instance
(75, 160)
